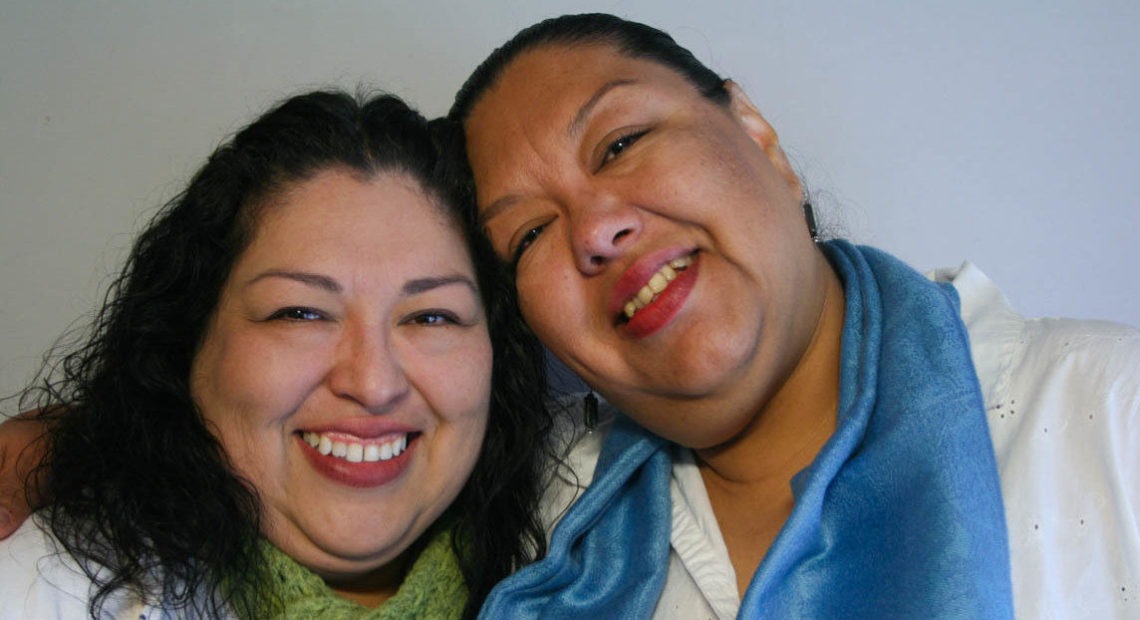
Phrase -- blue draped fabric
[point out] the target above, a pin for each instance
(899, 516)
(606, 554)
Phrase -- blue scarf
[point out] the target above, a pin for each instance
(899, 516)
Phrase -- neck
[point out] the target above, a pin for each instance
(374, 588)
(798, 419)
(749, 478)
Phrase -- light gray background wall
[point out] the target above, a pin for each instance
(1001, 132)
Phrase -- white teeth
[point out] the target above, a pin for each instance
(658, 283)
(356, 451)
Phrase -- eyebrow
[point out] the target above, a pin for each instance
(414, 286)
(422, 285)
(584, 112)
(324, 283)
(575, 126)
(494, 209)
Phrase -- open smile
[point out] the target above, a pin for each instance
(657, 302)
(656, 285)
(356, 461)
(355, 449)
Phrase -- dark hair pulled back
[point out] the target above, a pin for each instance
(631, 38)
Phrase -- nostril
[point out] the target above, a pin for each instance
(622, 233)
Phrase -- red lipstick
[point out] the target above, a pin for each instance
(362, 474)
(658, 312)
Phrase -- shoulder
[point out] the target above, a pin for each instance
(37, 580)
(1062, 399)
(1076, 379)
(1078, 362)
(40, 580)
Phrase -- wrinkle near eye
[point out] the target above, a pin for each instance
(623, 143)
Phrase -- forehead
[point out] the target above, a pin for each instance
(544, 97)
(364, 219)
(551, 77)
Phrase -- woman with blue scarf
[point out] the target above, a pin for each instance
(807, 429)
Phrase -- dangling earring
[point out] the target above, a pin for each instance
(590, 412)
(809, 217)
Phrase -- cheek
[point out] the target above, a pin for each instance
(242, 384)
(554, 303)
(456, 381)
(459, 394)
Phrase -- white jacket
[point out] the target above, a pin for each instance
(39, 581)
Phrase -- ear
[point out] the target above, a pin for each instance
(761, 132)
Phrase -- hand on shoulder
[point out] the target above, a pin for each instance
(21, 449)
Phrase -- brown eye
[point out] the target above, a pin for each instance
(528, 238)
(621, 144)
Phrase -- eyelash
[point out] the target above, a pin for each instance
(618, 146)
(434, 317)
(527, 239)
(297, 314)
(304, 315)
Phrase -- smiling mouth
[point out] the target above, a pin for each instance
(356, 450)
(655, 286)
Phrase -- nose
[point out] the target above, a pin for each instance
(601, 232)
(369, 371)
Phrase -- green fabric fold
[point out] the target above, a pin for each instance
(433, 588)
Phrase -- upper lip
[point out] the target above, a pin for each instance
(638, 274)
(372, 427)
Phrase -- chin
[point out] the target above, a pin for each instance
(356, 548)
(710, 372)
(717, 346)
(343, 563)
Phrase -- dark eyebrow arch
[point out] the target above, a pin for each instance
(583, 112)
(422, 285)
(324, 283)
(494, 209)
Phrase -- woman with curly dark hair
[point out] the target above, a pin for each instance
(306, 395)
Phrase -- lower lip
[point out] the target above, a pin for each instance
(363, 474)
(660, 312)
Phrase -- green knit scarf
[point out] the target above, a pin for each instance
(433, 588)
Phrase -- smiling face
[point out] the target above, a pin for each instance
(346, 370)
(659, 244)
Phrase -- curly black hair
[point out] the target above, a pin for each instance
(142, 494)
